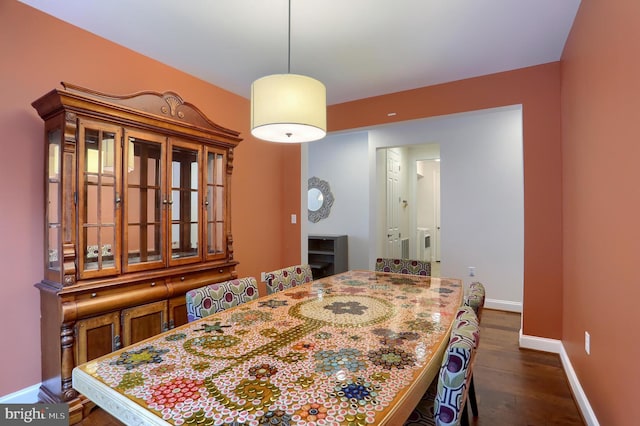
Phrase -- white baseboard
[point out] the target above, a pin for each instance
(540, 343)
(503, 305)
(555, 346)
(578, 392)
(23, 396)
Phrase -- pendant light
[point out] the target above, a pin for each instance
(288, 107)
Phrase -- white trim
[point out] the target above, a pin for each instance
(540, 343)
(578, 392)
(503, 305)
(555, 346)
(114, 403)
(23, 396)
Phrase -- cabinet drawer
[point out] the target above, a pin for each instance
(96, 301)
(180, 284)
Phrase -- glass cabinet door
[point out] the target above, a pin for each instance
(143, 170)
(215, 204)
(99, 199)
(54, 202)
(184, 203)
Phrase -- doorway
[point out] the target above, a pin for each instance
(409, 202)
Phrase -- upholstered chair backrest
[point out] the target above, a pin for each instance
(475, 298)
(212, 298)
(403, 266)
(455, 372)
(284, 278)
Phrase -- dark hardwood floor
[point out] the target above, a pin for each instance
(514, 387)
(98, 417)
(518, 386)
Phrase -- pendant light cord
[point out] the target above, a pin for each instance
(289, 42)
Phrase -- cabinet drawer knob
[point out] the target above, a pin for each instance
(221, 270)
(94, 294)
(181, 278)
(153, 284)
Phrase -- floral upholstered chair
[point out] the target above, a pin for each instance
(292, 276)
(403, 266)
(475, 299)
(212, 298)
(445, 402)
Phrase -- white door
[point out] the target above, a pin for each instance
(435, 241)
(393, 205)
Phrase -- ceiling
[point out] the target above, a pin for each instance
(357, 48)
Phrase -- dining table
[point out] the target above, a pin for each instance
(356, 348)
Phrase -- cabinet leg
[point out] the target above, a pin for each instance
(87, 406)
(79, 406)
(76, 411)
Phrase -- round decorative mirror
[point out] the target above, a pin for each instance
(315, 199)
(320, 199)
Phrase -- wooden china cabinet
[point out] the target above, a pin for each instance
(137, 212)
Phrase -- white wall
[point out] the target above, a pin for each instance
(341, 160)
(425, 217)
(424, 205)
(481, 194)
(422, 209)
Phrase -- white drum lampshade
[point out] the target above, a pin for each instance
(288, 108)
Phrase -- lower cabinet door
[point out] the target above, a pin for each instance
(97, 336)
(177, 311)
(142, 322)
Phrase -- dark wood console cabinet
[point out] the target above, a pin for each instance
(328, 255)
(137, 212)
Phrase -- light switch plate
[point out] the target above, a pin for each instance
(587, 343)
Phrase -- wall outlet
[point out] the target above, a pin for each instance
(294, 218)
(472, 271)
(587, 343)
(263, 276)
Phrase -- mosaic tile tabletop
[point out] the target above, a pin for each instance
(337, 351)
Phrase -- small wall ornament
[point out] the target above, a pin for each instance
(320, 199)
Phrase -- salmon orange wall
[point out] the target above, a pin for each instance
(601, 205)
(538, 90)
(37, 52)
